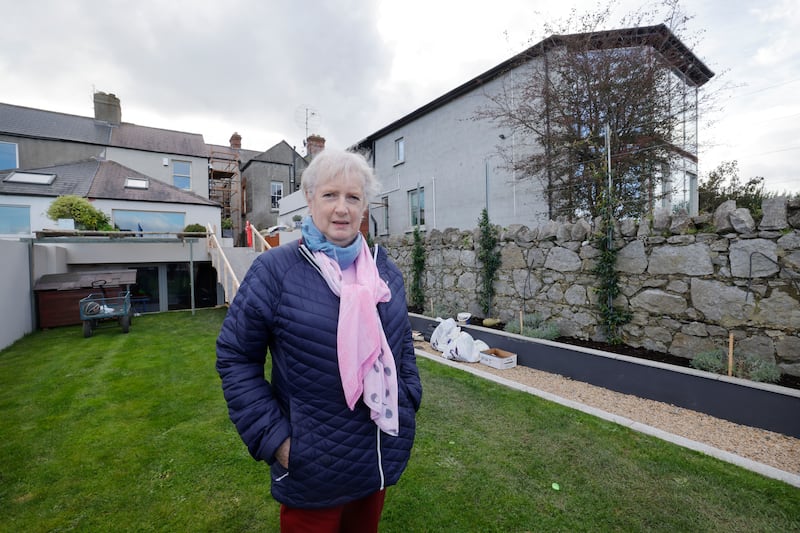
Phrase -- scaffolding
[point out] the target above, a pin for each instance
(225, 185)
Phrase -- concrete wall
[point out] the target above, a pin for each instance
(16, 306)
(688, 285)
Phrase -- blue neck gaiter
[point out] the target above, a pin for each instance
(316, 242)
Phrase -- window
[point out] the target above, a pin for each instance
(8, 156)
(399, 151)
(275, 194)
(182, 174)
(152, 222)
(31, 178)
(15, 219)
(416, 205)
(385, 203)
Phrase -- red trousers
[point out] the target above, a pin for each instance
(360, 516)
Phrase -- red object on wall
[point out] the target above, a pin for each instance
(248, 229)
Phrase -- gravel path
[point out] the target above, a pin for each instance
(762, 446)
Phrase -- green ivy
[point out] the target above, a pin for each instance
(490, 260)
(612, 318)
(417, 270)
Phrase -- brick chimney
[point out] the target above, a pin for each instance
(236, 141)
(107, 108)
(314, 145)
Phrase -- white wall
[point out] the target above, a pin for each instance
(447, 153)
(38, 211)
(16, 305)
(152, 164)
(200, 214)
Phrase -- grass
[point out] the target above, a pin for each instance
(130, 433)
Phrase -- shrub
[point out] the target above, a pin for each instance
(747, 367)
(79, 209)
(194, 228)
(533, 326)
(713, 361)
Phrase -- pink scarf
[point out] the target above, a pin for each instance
(366, 363)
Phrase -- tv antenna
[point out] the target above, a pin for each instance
(308, 118)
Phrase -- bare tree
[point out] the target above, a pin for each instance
(574, 98)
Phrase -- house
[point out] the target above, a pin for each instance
(267, 179)
(34, 138)
(440, 166)
(149, 181)
(152, 183)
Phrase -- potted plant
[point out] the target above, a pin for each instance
(297, 220)
(227, 227)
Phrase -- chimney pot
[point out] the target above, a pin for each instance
(314, 145)
(236, 141)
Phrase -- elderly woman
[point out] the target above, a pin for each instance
(336, 420)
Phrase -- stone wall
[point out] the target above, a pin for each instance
(688, 281)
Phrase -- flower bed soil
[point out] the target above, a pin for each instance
(791, 382)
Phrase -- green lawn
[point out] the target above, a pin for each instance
(130, 433)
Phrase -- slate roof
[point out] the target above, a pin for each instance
(109, 184)
(682, 60)
(281, 154)
(38, 123)
(100, 180)
(227, 153)
(74, 178)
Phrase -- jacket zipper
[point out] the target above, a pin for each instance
(380, 461)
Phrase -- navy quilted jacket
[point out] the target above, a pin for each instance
(337, 455)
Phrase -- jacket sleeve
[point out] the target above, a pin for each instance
(241, 352)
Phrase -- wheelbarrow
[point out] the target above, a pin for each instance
(97, 308)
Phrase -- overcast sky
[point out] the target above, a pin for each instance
(259, 67)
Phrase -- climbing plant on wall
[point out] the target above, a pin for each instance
(612, 318)
(417, 271)
(489, 257)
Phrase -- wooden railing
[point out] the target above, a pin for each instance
(260, 244)
(226, 275)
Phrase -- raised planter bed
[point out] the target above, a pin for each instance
(753, 404)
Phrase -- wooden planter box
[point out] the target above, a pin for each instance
(753, 404)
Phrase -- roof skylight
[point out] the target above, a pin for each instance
(137, 183)
(31, 178)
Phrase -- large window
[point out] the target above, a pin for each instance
(275, 194)
(15, 219)
(416, 206)
(182, 174)
(399, 150)
(8, 156)
(151, 222)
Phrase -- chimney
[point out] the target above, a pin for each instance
(107, 108)
(314, 145)
(236, 141)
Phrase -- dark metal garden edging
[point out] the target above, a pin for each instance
(753, 404)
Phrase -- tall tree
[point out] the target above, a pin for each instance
(637, 85)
